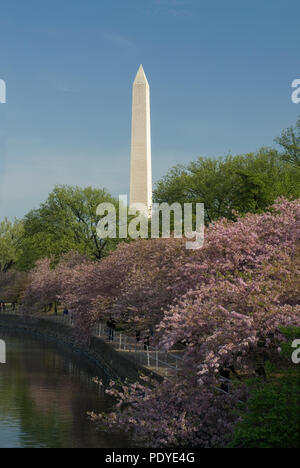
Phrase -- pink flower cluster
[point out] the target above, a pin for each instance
(224, 303)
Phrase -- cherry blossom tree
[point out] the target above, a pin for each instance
(225, 304)
(238, 292)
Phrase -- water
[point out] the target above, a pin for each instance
(45, 395)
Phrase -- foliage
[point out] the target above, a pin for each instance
(13, 284)
(228, 304)
(10, 243)
(66, 221)
(290, 143)
(171, 414)
(272, 418)
(46, 282)
(244, 287)
(290, 333)
(243, 183)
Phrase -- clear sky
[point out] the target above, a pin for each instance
(220, 75)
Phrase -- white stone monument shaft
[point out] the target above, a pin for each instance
(141, 166)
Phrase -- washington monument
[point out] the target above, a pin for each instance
(141, 167)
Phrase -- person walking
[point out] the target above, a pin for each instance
(225, 372)
(146, 342)
(260, 357)
(108, 324)
(113, 328)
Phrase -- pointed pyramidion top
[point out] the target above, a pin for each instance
(140, 76)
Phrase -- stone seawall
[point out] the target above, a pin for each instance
(97, 351)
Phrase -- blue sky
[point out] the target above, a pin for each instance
(220, 75)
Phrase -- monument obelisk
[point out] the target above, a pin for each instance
(141, 166)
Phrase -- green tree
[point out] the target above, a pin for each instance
(272, 419)
(290, 143)
(245, 183)
(252, 194)
(66, 221)
(207, 181)
(10, 243)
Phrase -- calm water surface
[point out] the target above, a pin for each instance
(45, 395)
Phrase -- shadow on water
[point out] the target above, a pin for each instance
(45, 395)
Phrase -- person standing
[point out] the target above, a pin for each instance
(113, 328)
(146, 342)
(108, 324)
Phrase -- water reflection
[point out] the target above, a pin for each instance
(45, 396)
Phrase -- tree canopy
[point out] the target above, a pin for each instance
(11, 234)
(230, 304)
(65, 222)
(243, 183)
(290, 143)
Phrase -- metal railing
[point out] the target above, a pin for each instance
(161, 362)
(137, 349)
(9, 309)
(164, 363)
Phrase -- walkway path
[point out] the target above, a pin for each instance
(162, 363)
(154, 359)
(157, 361)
